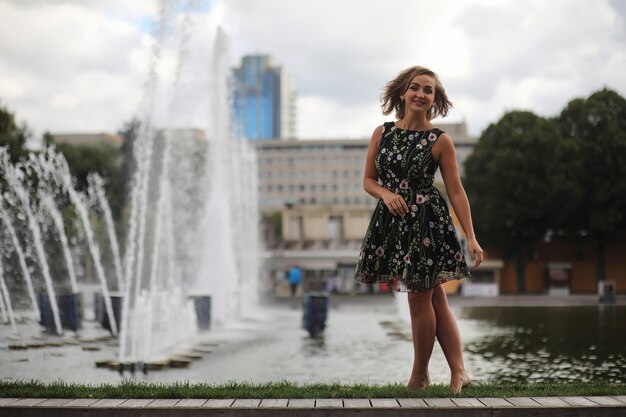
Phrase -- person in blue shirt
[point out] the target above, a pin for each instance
(295, 279)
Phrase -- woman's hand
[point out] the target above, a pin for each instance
(395, 203)
(476, 252)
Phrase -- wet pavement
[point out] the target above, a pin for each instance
(533, 340)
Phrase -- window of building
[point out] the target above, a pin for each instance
(294, 232)
(335, 227)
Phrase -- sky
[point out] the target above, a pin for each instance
(82, 65)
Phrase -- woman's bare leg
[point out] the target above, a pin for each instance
(423, 327)
(449, 338)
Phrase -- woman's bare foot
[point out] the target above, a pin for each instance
(418, 382)
(458, 382)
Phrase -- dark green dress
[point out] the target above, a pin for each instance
(420, 250)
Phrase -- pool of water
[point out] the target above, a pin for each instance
(543, 344)
(366, 342)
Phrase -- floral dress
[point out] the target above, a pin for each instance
(420, 250)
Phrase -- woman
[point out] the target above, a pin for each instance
(411, 242)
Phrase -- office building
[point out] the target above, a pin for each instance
(322, 173)
(264, 102)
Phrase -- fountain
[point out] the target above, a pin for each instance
(191, 231)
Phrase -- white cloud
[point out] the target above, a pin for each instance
(324, 117)
(69, 67)
(82, 65)
(491, 55)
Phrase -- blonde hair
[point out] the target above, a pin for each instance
(390, 98)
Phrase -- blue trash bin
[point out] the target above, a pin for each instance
(315, 313)
(69, 311)
(202, 304)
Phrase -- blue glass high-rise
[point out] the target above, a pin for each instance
(263, 100)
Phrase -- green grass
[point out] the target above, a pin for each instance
(286, 389)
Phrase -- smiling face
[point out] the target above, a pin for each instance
(420, 94)
(416, 89)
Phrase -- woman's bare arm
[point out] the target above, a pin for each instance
(444, 152)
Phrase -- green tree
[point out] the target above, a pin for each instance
(594, 145)
(12, 135)
(123, 182)
(84, 159)
(508, 183)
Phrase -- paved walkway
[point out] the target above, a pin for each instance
(466, 407)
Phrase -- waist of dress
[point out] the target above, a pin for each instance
(412, 189)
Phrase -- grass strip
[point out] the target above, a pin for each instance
(287, 389)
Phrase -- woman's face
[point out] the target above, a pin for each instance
(420, 95)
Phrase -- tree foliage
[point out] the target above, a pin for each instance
(594, 145)
(530, 177)
(506, 176)
(13, 135)
(507, 179)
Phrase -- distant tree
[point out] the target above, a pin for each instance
(272, 224)
(12, 135)
(594, 146)
(129, 132)
(508, 183)
(83, 159)
(122, 183)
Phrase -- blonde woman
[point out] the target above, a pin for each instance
(411, 243)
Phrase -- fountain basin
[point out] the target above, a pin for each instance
(102, 316)
(69, 311)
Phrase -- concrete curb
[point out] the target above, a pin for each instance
(466, 407)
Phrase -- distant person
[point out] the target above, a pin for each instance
(295, 279)
(332, 283)
(411, 243)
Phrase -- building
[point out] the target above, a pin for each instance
(322, 173)
(567, 266)
(264, 102)
(315, 190)
(88, 138)
(315, 173)
(463, 142)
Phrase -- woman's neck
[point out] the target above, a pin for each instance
(414, 122)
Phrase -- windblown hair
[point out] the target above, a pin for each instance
(390, 98)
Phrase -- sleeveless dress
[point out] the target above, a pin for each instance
(420, 250)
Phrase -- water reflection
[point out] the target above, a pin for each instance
(366, 342)
(314, 346)
(549, 344)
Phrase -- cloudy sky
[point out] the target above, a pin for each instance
(82, 65)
